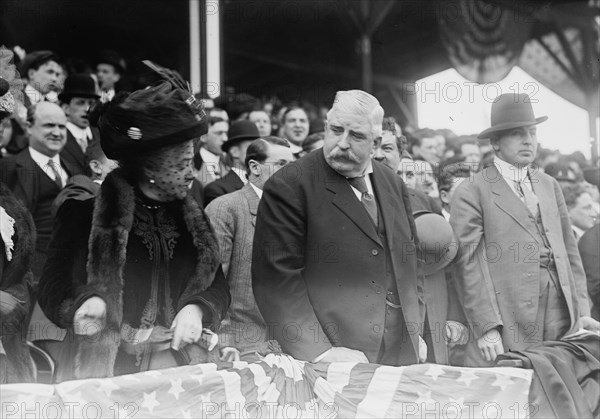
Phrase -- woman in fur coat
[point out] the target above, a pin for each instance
(135, 273)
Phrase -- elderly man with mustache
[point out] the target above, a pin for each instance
(519, 273)
(334, 265)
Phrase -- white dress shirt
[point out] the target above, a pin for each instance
(514, 174)
(33, 94)
(211, 161)
(42, 161)
(368, 171)
(256, 189)
(82, 135)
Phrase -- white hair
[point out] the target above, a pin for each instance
(361, 103)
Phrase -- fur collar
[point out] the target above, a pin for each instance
(112, 221)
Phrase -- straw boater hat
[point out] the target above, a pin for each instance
(511, 111)
(437, 244)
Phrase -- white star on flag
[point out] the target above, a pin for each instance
(425, 398)
(502, 381)
(434, 371)
(150, 401)
(467, 376)
(108, 386)
(176, 388)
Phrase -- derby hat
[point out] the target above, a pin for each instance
(35, 59)
(79, 85)
(148, 119)
(240, 131)
(511, 111)
(437, 244)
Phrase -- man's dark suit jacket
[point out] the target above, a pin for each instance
(318, 268)
(19, 174)
(74, 156)
(231, 182)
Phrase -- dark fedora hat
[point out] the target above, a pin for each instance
(35, 59)
(78, 85)
(511, 111)
(240, 131)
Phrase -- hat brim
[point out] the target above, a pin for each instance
(65, 97)
(509, 125)
(233, 141)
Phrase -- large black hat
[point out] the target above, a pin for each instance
(240, 131)
(36, 58)
(79, 85)
(511, 111)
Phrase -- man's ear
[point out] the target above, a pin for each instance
(95, 167)
(118, 77)
(65, 108)
(444, 197)
(254, 167)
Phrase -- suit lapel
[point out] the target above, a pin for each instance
(253, 200)
(73, 148)
(544, 193)
(384, 197)
(507, 200)
(347, 202)
(27, 178)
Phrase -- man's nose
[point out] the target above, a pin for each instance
(378, 155)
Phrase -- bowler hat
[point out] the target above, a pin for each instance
(240, 131)
(78, 85)
(592, 175)
(36, 58)
(149, 119)
(511, 111)
(437, 244)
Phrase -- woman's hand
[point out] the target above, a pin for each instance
(187, 326)
(89, 319)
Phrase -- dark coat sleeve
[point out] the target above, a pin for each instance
(213, 190)
(65, 270)
(589, 248)
(278, 262)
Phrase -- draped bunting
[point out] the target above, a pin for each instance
(483, 40)
(281, 387)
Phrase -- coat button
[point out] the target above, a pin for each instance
(374, 252)
(376, 328)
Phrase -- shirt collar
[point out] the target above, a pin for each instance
(509, 172)
(34, 95)
(79, 133)
(209, 157)
(42, 160)
(256, 189)
(578, 232)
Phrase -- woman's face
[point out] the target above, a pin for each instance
(171, 169)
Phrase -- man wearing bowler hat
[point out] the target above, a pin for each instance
(241, 134)
(77, 98)
(519, 273)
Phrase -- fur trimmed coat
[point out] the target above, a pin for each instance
(16, 365)
(146, 260)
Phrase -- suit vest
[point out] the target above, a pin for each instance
(42, 213)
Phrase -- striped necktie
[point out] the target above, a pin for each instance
(367, 199)
(528, 196)
(57, 177)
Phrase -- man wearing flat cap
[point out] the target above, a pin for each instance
(241, 134)
(519, 273)
(334, 268)
(42, 71)
(77, 98)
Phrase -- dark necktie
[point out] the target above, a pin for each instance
(367, 199)
(57, 178)
(529, 197)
